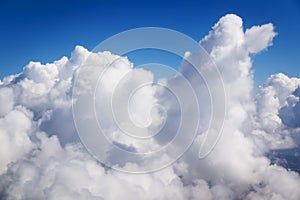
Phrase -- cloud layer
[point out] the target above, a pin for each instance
(42, 157)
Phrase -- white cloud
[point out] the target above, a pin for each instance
(277, 111)
(14, 137)
(7, 101)
(259, 38)
(41, 157)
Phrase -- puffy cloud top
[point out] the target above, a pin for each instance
(42, 158)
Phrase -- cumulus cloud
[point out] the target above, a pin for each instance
(277, 114)
(259, 38)
(42, 158)
(290, 113)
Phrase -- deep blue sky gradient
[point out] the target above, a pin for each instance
(46, 30)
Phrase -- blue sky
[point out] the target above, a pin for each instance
(46, 30)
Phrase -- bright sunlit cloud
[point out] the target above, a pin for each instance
(41, 156)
